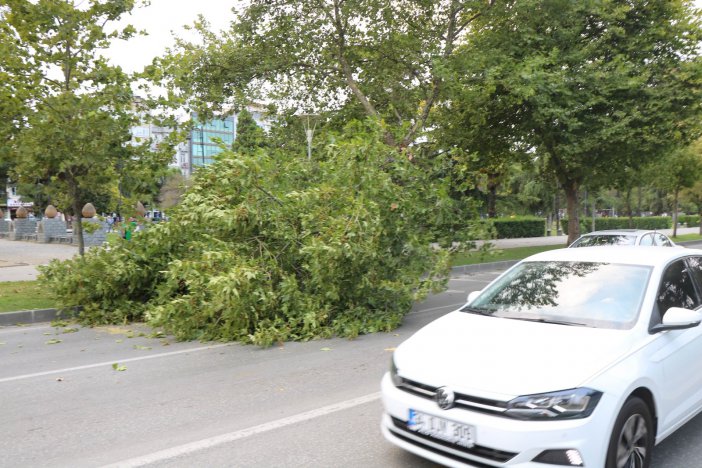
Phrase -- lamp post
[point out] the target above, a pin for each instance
(309, 123)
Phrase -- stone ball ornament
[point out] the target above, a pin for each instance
(50, 212)
(88, 211)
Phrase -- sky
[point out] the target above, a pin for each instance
(163, 17)
(160, 19)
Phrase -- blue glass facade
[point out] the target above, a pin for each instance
(205, 138)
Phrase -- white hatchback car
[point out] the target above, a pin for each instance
(640, 237)
(573, 357)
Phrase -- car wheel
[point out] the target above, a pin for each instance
(632, 437)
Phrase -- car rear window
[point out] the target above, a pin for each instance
(605, 239)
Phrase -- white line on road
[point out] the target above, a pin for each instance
(210, 442)
(452, 306)
(22, 328)
(109, 363)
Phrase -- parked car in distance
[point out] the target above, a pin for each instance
(623, 237)
(573, 357)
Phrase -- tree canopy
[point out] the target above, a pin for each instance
(383, 60)
(591, 87)
(71, 110)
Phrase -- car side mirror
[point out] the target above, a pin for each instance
(677, 318)
(473, 295)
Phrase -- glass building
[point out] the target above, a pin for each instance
(205, 139)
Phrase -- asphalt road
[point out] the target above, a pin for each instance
(313, 404)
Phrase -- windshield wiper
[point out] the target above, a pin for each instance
(473, 310)
(543, 320)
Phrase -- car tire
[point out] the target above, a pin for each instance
(632, 438)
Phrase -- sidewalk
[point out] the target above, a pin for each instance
(19, 259)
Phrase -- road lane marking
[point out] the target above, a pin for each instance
(109, 363)
(210, 442)
(22, 328)
(452, 306)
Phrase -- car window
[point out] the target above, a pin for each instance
(662, 240)
(676, 288)
(604, 239)
(647, 240)
(599, 295)
(695, 267)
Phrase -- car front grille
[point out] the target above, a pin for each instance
(469, 402)
(457, 452)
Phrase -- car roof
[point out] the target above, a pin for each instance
(618, 231)
(633, 255)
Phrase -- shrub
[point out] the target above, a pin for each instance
(523, 226)
(689, 220)
(265, 249)
(644, 222)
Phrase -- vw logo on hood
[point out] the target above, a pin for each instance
(445, 398)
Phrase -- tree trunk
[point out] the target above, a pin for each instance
(675, 212)
(571, 191)
(78, 225)
(492, 196)
(629, 211)
(700, 221)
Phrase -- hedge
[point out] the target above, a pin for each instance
(511, 228)
(689, 220)
(645, 222)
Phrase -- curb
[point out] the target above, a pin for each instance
(25, 317)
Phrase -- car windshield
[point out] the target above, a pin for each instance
(605, 239)
(601, 295)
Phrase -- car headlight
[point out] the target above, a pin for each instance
(566, 404)
(394, 376)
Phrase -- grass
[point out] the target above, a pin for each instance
(24, 295)
(501, 255)
(686, 237)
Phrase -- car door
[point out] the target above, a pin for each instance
(646, 239)
(661, 240)
(680, 353)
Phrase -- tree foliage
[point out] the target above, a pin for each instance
(76, 109)
(249, 136)
(591, 87)
(265, 249)
(365, 58)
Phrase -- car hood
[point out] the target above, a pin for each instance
(503, 358)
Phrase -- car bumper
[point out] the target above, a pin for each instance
(499, 441)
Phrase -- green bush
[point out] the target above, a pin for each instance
(265, 249)
(689, 220)
(644, 222)
(523, 226)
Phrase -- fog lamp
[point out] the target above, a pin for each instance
(567, 457)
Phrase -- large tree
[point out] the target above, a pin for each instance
(77, 109)
(590, 87)
(371, 58)
(677, 171)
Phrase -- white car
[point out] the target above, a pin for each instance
(640, 237)
(573, 357)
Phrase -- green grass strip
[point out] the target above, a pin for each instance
(686, 237)
(500, 255)
(24, 295)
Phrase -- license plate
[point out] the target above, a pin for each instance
(440, 428)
